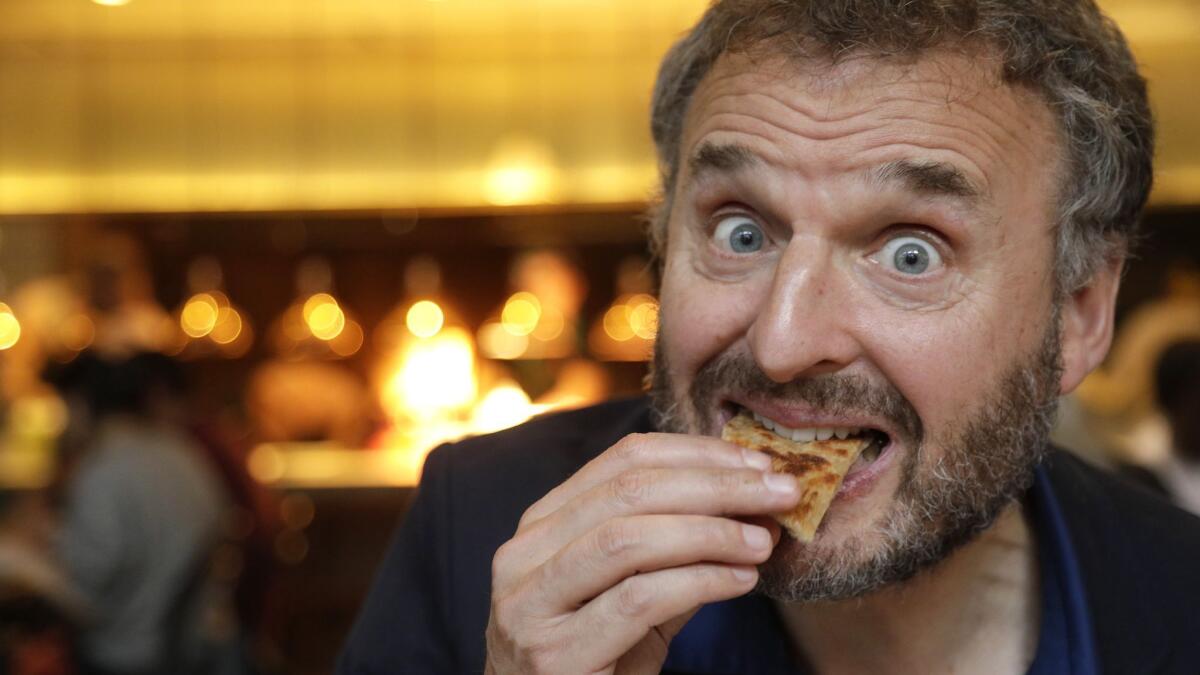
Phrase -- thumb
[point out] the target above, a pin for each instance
(648, 656)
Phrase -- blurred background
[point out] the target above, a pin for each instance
(292, 246)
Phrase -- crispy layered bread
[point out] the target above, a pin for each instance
(819, 467)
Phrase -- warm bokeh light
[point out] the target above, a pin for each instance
(521, 171)
(349, 340)
(506, 405)
(521, 313)
(317, 327)
(643, 316)
(434, 376)
(199, 315)
(424, 319)
(315, 301)
(240, 344)
(210, 326)
(10, 327)
(550, 325)
(325, 319)
(227, 327)
(266, 464)
(112, 3)
(497, 343)
(514, 185)
(616, 323)
(627, 330)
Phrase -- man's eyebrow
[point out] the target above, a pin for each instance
(720, 158)
(932, 179)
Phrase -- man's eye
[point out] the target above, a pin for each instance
(910, 255)
(739, 234)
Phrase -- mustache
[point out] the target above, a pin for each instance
(835, 393)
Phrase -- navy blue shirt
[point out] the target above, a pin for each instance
(745, 635)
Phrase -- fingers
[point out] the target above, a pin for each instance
(654, 491)
(623, 547)
(627, 547)
(647, 451)
(619, 618)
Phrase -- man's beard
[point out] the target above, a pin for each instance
(986, 461)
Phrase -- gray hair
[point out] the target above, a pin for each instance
(1066, 51)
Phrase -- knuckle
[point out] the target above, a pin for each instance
(729, 482)
(727, 534)
(511, 632)
(534, 651)
(631, 488)
(500, 561)
(527, 516)
(633, 598)
(630, 448)
(713, 578)
(616, 538)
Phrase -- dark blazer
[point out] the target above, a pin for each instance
(1140, 557)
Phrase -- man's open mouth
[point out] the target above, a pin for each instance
(877, 440)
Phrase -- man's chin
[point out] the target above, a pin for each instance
(844, 560)
(821, 570)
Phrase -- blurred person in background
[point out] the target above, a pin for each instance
(142, 514)
(898, 220)
(39, 608)
(1177, 389)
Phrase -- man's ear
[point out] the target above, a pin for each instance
(1087, 324)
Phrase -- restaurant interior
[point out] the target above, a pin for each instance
(367, 227)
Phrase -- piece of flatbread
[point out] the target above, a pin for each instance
(819, 467)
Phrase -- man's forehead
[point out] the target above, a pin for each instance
(946, 87)
(922, 177)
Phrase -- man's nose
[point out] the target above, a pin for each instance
(803, 329)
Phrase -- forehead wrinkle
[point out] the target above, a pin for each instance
(964, 119)
(910, 86)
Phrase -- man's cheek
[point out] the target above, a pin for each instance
(702, 319)
(940, 366)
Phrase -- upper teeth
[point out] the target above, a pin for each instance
(807, 434)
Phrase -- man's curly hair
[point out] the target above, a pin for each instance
(1066, 51)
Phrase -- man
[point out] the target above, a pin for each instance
(1177, 391)
(142, 513)
(908, 217)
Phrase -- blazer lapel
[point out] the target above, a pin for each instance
(1130, 636)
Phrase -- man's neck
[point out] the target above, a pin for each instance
(975, 612)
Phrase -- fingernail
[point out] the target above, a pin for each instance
(744, 573)
(756, 537)
(780, 482)
(756, 460)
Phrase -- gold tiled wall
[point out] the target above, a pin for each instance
(314, 104)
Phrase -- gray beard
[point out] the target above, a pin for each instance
(986, 462)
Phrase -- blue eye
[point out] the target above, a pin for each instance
(910, 255)
(739, 234)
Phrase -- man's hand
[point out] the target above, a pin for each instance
(606, 568)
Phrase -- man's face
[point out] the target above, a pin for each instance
(868, 245)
